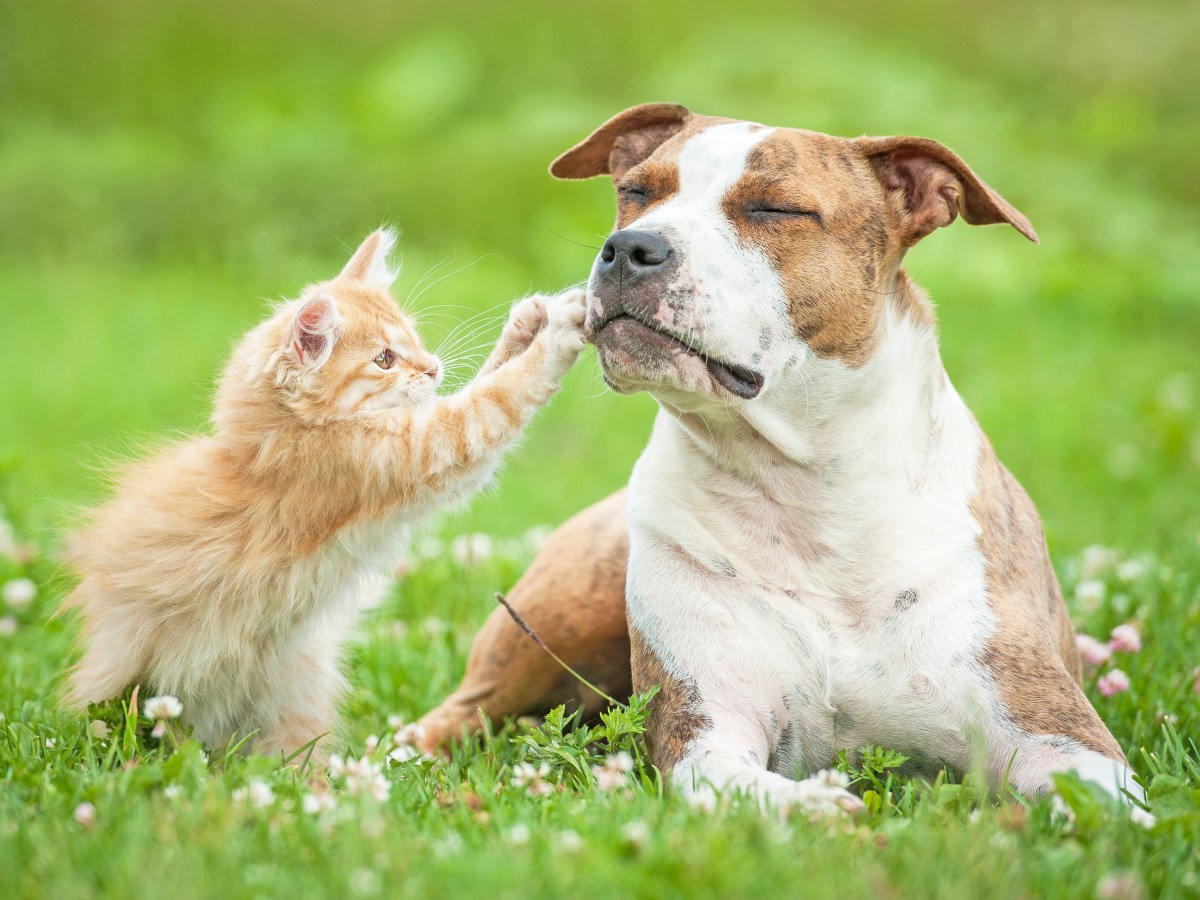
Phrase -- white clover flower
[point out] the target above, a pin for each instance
(1096, 560)
(395, 721)
(85, 815)
(403, 754)
(319, 802)
(430, 547)
(164, 707)
(99, 729)
(518, 835)
(620, 761)
(362, 776)
(8, 626)
(532, 778)
(1132, 569)
(1091, 651)
(569, 841)
(1142, 817)
(636, 833)
(1125, 639)
(258, 793)
(19, 592)
(434, 627)
(536, 536)
(372, 743)
(469, 549)
(612, 773)
(173, 791)
(365, 881)
(381, 788)
(1175, 393)
(1089, 593)
(408, 735)
(1112, 683)
(51, 743)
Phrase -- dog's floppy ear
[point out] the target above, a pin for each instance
(932, 186)
(622, 142)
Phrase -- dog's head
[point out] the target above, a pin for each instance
(740, 250)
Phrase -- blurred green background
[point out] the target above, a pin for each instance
(164, 168)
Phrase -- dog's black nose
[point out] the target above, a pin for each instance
(632, 254)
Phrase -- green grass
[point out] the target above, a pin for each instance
(163, 171)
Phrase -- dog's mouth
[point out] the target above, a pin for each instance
(739, 381)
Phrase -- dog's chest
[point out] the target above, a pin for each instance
(896, 680)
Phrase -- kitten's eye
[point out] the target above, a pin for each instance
(386, 359)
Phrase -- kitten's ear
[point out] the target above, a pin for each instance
(314, 331)
(369, 264)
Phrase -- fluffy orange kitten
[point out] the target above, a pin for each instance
(226, 570)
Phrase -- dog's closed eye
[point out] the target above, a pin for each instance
(767, 210)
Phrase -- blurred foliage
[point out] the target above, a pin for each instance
(164, 167)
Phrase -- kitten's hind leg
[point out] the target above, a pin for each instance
(301, 705)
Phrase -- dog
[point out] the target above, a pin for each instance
(818, 548)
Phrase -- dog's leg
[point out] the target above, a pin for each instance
(709, 748)
(573, 597)
(1065, 735)
(1048, 724)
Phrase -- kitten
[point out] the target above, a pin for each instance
(225, 570)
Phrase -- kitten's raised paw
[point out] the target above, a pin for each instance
(565, 326)
(527, 319)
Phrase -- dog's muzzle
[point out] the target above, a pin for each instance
(630, 275)
(630, 256)
(635, 301)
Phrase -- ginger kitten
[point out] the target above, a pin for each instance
(226, 569)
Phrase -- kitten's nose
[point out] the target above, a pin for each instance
(433, 369)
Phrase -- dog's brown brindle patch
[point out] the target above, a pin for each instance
(840, 272)
(674, 720)
(1031, 654)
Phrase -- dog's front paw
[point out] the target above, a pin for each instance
(824, 794)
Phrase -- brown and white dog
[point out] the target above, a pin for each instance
(823, 550)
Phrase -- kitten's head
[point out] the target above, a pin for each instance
(344, 347)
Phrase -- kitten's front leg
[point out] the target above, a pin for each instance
(528, 317)
(533, 374)
(455, 443)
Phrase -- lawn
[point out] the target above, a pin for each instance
(165, 170)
